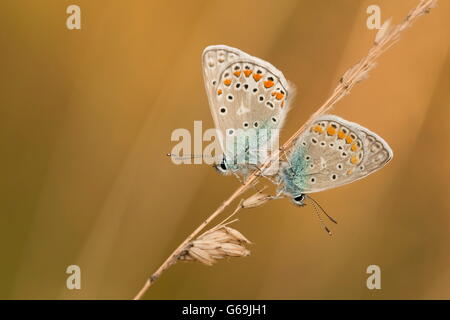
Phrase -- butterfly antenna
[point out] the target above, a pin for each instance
(321, 220)
(321, 209)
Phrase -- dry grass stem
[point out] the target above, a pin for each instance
(210, 246)
(216, 244)
(256, 200)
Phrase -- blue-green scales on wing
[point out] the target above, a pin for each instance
(247, 149)
(294, 173)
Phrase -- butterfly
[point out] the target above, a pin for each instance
(249, 99)
(331, 152)
(246, 94)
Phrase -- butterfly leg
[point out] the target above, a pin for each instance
(239, 177)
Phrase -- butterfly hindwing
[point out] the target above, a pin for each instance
(330, 153)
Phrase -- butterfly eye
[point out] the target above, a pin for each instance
(299, 200)
(222, 167)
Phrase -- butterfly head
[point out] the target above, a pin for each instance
(222, 167)
(299, 200)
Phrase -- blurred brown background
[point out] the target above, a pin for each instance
(85, 123)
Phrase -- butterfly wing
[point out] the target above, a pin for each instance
(214, 59)
(332, 152)
(246, 94)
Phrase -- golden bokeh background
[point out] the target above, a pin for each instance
(86, 119)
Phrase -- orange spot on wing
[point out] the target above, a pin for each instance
(348, 139)
(257, 77)
(331, 131)
(237, 73)
(247, 73)
(349, 172)
(341, 135)
(354, 160)
(318, 129)
(268, 84)
(282, 104)
(279, 96)
(227, 82)
(219, 92)
(354, 147)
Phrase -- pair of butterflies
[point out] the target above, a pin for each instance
(246, 94)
